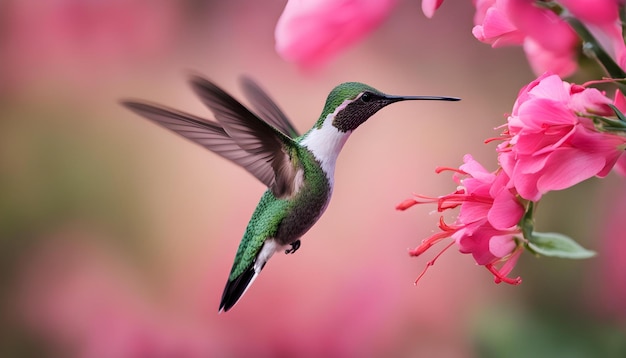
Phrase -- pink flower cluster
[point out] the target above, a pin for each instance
(552, 143)
(309, 32)
(557, 135)
(487, 224)
(549, 42)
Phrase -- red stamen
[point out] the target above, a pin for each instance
(438, 170)
(489, 140)
(427, 243)
(406, 204)
(443, 202)
(432, 262)
(498, 277)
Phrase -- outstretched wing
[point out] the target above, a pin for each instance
(271, 148)
(206, 133)
(267, 108)
(241, 136)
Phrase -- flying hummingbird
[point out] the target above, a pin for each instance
(297, 169)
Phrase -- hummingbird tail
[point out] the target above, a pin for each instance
(236, 288)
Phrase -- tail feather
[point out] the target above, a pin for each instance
(236, 288)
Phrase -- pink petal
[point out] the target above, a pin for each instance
(526, 186)
(477, 245)
(620, 101)
(429, 7)
(506, 211)
(502, 245)
(309, 32)
(620, 165)
(475, 169)
(541, 112)
(567, 167)
(497, 30)
(551, 87)
(530, 164)
(544, 27)
(542, 60)
(592, 11)
(482, 6)
(591, 100)
(471, 213)
(524, 93)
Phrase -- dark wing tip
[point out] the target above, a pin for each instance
(200, 84)
(139, 106)
(234, 289)
(130, 104)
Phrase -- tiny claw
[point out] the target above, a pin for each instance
(294, 247)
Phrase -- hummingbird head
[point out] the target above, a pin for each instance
(352, 103)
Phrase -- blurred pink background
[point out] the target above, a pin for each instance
(117, 236)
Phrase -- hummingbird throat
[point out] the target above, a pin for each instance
(326, 142)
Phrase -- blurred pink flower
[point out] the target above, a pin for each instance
(79, 297)
(487, 222)
(78, 40)
(309, 32)
(430, 6)
(549, 145)
(86, 303)
(620, 166)
(493, 25)
(612, 268)
(549, 42)
(601, 18)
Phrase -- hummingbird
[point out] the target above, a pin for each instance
(298, 170)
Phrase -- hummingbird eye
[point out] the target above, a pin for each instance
(366, 97)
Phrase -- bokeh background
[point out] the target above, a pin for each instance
(116, 236)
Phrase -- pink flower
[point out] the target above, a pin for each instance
(550, 144)
(620, 165)
(601, 18)
(549, 42)
(430, 6)
(77, 40)
(487, 222)
(309, 32)
(493, 25)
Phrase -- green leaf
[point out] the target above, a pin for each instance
(557, 245)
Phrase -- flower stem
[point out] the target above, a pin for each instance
(593, 49)
(528, 223)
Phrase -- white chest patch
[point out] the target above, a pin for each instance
(326, 143)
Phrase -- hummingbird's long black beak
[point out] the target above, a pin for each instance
(393, 99)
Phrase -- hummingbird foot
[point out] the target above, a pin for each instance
(294, 247)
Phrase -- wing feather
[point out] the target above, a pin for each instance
(207, 134)
(270, 146)
(267, 108)
(239, 135)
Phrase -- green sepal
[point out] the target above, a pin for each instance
(618, 113)
(557, 245)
